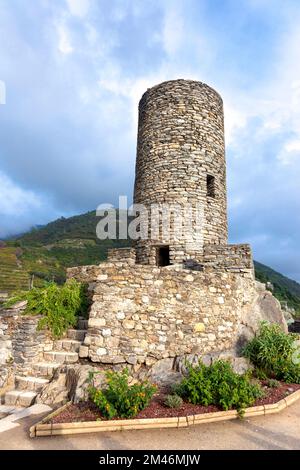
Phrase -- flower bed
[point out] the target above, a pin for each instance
(85, 417)
(87, 411)
(205, 394)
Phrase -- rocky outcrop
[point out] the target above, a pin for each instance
(263, 307)
(70, 382)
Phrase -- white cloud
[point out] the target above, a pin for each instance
(234, 119)
(290, 153)
(78, 8)
(276, 100)
(173, 31)
(14, 200)
(64, 40)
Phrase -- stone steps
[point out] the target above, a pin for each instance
(61, 357)
(65, 351)
(27, 387)
(82, 324)
(33, 384)
(78, 335)
(25, 393)
(69, 345)
(6, 410)
(45, 369)
(20, 398)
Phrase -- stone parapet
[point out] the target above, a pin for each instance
(125, 255)
(229, 258)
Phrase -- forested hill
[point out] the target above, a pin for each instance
(79, 227)
(285, 289)
(46, 251)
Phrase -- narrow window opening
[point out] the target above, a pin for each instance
(163, 256)
(210, 186)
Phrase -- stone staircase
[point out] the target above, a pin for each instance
(64, 351)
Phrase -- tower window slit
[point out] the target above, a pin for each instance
(210, 186)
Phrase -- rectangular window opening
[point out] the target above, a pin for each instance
(210, 186)
(163, 256)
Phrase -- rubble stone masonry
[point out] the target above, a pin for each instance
(145, 313)
(181, 160)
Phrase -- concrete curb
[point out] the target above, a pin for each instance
(55, 429)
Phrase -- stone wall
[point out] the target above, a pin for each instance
(141, 314)
(126, 255)
(21, 342)
(180, 144)
(234, 258)
(7, 324)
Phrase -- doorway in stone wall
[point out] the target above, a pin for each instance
(163, 255)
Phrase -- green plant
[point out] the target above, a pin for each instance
(59, 306)
(275, 352)
(177, 389)
(173, 401)
(273, 383)
(219, 385)
(260, 374)
(118, 398)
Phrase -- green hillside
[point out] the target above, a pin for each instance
(12, 274)
(285, 289)
(45, 253)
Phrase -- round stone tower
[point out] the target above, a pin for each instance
(180, 164)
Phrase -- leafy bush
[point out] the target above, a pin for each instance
(173, 401)
(260, 374)
(219, 385)
(273, 383)
(58, 305)
(275, 353)
(118, 398)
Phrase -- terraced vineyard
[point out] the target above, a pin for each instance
(44, 254)
(12, 274)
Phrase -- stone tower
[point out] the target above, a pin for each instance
(181, 161)
(206, 304)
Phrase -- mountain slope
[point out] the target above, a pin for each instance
(285, 289)
(78, 227)
(46, 252)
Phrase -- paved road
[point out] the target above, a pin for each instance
(278, 431)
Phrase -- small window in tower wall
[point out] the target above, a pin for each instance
(210, 186)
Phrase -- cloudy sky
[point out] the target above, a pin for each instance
(74, 71)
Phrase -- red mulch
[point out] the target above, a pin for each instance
(273, 395)
(87, 411)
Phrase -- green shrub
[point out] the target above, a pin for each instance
(260, 374)
(118, 398)
(178, 389)
(173, 401)
(273, 383)
(275, 353)
(219, 385)
(58, 305)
